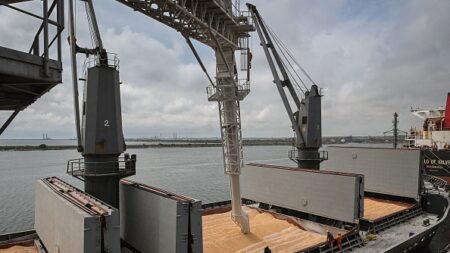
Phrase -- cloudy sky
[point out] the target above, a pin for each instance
(372, 58)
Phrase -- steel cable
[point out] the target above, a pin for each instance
(294, 81)
(289, 53)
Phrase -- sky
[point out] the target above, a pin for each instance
(371, 58)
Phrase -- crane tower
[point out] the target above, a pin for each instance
(99, 136)
(220, 25)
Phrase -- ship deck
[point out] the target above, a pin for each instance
(279, 233)
(23, 242)
(376, 209)
(407, 233)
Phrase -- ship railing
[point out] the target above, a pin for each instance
(410, 137)
(350, 241)
(126, 166)
(437, 182)
(417, 136)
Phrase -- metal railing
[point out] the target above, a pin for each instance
(243, 89)
(245, 18)
(210, 90)
(111, 60)
(435, 181)
(243, 85)
(126, 166)
(307, 155)
(43, 29)
(420, 136)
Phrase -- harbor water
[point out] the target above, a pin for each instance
(194, 172)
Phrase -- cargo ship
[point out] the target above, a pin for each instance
(346, 199)
(155, 220)
(433, 138)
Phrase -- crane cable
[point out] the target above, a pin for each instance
(91, 32)
(288, 66)
(290, 54)
(283, 48)
(286, 59)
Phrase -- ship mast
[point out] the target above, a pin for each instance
(395, 131)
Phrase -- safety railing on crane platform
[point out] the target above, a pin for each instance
(111, 60)
(43, 32)
(307, 155)
(126, 166)
(243, 90)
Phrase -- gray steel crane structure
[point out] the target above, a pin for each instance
(99, 135)
(305, 117)
(26, 76)
(220, 25)
(394, 130)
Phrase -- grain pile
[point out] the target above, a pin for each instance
(20, 249)
(221, 235)
(379, 208)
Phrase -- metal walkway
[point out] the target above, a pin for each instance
(198, 19)
(26, 76)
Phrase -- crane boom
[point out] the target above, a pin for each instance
(305, 117)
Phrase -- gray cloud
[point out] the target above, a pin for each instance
(371, 60)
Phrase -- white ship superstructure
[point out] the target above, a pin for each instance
(435, 132)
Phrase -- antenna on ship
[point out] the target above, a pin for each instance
(395, 130)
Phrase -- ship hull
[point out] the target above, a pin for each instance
(437, 163)
(438, 205)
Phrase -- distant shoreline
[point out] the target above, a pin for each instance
(198, 144)
(133, 146)
(167, 144)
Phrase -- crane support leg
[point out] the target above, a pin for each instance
(230, 125)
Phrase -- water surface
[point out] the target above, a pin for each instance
(194, 172)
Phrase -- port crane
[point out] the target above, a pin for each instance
(220, 25)
(99, 131)
(395, 131)
(302, 105)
